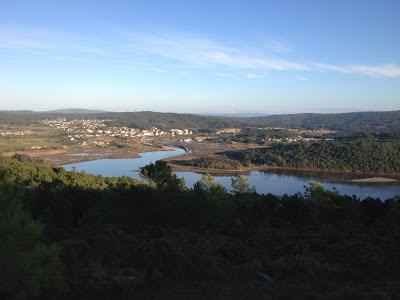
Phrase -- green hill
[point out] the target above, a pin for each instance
(386, 121)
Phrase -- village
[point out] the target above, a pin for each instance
(97, 133)
(79, 129)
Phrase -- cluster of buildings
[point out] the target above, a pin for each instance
(323, 131)
(76, 125)
(12, 133)
(97, 128)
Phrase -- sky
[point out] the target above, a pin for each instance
(266, 57)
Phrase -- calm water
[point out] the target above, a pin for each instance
(123, 166)
(275, 182)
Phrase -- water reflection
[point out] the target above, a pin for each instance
(281, 183)
(276, 181)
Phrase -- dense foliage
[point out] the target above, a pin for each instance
(363, 155)
(141, 120)
(160, 174)
(217, 163)
(148, 119)
(260, 136)
(119, 238)
(343, 122)
(348, 122)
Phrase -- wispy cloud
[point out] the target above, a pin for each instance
(255, 76)
(146, 68)
(226, 75)
(42, 39)
(207, 53)
(181, 51)
(302, 78)
(385, 70)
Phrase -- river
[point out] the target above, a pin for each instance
(276, 182)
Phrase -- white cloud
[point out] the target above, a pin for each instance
(206, 53)
(302, 78)
(253, 76)
(143, 68)
(179, 51)
(386, 70)
(129, 67)
(43, 39)
(225, 75)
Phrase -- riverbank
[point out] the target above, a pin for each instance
(347, 176)
(71, 155)
(63, 156)
(211, 149)
(375, 179)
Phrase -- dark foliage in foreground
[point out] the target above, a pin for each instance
(120, 238)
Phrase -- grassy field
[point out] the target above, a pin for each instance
(18, 137)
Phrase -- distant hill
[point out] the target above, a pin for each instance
(386, 121)
(74, 111)
(355, 122)
(148, 119)
(235, 115)
(142, 119)
(18, 112)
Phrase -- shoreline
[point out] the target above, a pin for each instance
(375, 179)
(65, 156)
(381, 178)
(60, 157)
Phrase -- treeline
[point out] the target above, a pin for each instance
(72, 235)
(148, 119)
(218, 163)
(260, 136)
(141, 120)
(343, 122)
(388, 121)
(359, 155)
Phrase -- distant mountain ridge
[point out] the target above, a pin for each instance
(353, 122)
(74, 111)
(56, 111)
(235, 115)
(142, 119)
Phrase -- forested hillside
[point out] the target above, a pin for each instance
(72, 235)
(347, 122)
(148, 119)
(353, 156)
(343, 122)
(141, 120)
(216, 163)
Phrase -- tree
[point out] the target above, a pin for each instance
(321, 202)
(206, 183)
(161, 175)
(28, 268)
(241, 185)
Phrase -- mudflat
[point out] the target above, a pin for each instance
(80, 154)
(375, 179)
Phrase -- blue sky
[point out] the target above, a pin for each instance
(201, 56)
